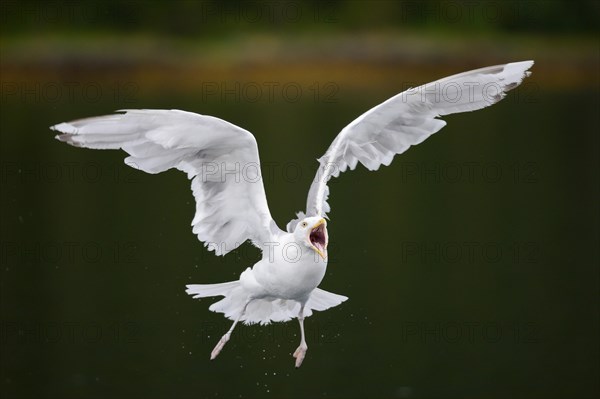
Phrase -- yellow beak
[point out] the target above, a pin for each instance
(320, 251)
(320, 222)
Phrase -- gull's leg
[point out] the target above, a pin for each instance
(215, 352)
(301, 351)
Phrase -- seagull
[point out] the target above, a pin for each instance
(222, 162)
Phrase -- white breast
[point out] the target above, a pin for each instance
(288, 270)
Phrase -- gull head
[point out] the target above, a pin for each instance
(312, 232)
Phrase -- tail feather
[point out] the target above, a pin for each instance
(323, 300)
(263, 311)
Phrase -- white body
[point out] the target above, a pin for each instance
(277, 286)
(288, 272)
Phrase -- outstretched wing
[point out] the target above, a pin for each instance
(407, 119)
(220, 158)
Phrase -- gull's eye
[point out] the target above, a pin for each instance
(304, 224)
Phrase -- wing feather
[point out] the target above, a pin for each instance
(231, 206)
(407, 119)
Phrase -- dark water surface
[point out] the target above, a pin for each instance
(471, 263)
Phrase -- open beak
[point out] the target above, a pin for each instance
(318, 238)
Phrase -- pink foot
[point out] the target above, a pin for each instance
(299, 354)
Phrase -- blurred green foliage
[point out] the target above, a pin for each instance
(196, 18)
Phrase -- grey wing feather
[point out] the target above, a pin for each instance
(230, 207)
(390, 128)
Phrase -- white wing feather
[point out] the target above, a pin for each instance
(230, 206)
(407, 119)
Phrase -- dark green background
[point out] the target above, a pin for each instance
(471, 263)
